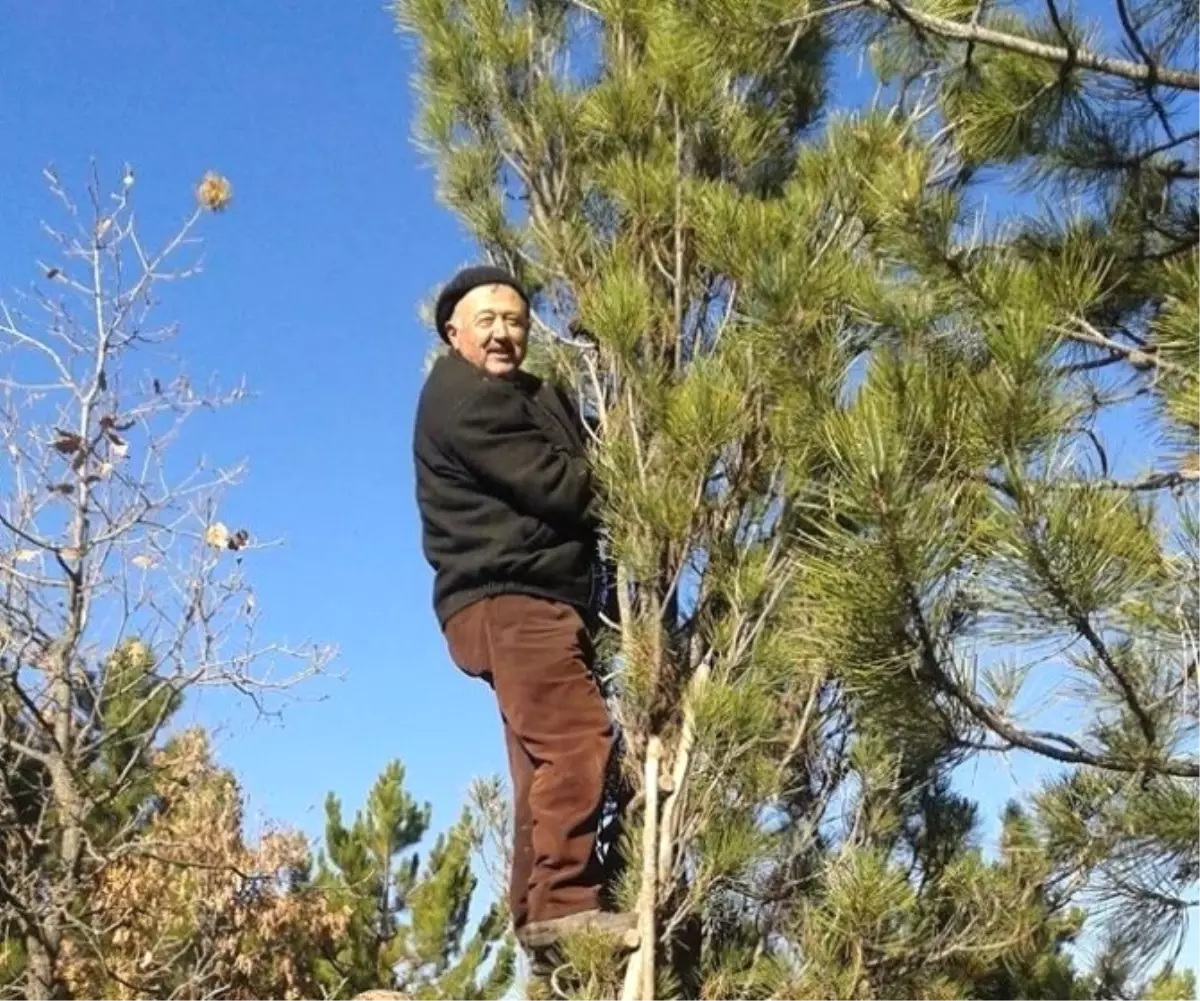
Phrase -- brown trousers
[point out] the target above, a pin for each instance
(538, 657)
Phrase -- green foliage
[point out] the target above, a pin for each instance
(858, 470)
(407, 923)
(133, 706)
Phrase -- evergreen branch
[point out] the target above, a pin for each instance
(1040, 742)
(1056, 18)
(1080, 619)
(1083, 624)
(976, 14)
(947, 28)
(1155, 481)
(25, 750)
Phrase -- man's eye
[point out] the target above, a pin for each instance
(485, 319)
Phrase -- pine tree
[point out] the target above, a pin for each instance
(853, 437)
(701, 277)
(407, 923)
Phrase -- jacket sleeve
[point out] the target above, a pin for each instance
(495, 437)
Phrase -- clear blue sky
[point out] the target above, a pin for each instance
(310, 290)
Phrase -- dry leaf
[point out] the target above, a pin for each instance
(214, 192)
(25, 555)
(67, 441)
(142, 561)
(239, 539)
(217, 535)
(120, 451)
(109, 423)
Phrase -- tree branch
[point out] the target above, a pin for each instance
(946, 28)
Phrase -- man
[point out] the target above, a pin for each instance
(509, 526)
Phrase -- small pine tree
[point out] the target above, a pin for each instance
(407, 923)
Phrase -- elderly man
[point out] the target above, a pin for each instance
(509, 527)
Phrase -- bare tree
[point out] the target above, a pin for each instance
(121, 589)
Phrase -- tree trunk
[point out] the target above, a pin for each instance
(41, 984)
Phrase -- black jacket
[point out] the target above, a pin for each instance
(503, 487)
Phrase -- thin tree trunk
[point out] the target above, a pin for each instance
(39, 970)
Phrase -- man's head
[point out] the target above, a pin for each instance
(483, 314)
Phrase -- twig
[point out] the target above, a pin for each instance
(1136, 39)
(1087, 334)
(1154, 481)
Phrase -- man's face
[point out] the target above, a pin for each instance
(489, 328)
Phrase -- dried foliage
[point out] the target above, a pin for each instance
(190, 910)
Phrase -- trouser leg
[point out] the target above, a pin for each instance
(521, 771)
(541, 660)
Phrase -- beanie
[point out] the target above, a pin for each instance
(462, 283)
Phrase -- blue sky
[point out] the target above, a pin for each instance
(311, 289)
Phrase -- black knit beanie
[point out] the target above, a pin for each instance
(462, 283)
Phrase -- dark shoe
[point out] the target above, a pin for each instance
(544, 934)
